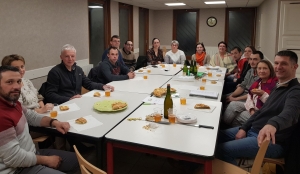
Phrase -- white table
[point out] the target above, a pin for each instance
(184, 88)
(175, 141)
(108, 119)
(169, 70)
(140, 85)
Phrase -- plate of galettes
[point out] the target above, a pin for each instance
(159, 92)
(110, 105)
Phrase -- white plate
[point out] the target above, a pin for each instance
(212, 79)
(186, 118)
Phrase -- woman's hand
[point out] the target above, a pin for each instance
(258, 92)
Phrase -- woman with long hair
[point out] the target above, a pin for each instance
(200, 56)
(155, 54)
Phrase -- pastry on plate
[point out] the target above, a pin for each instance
(64, 108)
(140, 70)
(213, 82)
(118, 105)
(97, 94)
(149, 118)
(201, 106)
(158, 92)
(81, 120)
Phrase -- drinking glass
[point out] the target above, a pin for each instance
(172, 115)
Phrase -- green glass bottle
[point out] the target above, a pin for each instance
(184, 70)
(195, 68)
(168, 103)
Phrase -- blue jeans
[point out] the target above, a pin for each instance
(228, 148)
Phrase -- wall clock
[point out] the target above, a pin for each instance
(211, 21)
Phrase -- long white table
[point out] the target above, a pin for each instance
(140, 85)
(169, 70)
(184, 88)
(175, 141)
(108, 119)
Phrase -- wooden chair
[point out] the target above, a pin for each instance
(83, 90)
(38, 140)
(85, 166)
(278, 161)
(221, 167)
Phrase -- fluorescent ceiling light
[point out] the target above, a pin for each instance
(175, 4)
(214, 2)
(95, 6)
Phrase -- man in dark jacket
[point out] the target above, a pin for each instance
(112, 70)
(65, 80)
(276, 120)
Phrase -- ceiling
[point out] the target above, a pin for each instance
(190, 4)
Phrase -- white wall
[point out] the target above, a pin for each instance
(114, 15)
(38, 29)
(163, 27)
(267, 28)
(211, 36)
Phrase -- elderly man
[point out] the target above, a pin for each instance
(276, 120)
(65, 80)
(111, 70)
(128, 55)
(114, 42)
(17, 151)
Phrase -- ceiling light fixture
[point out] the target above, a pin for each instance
(175, 4)
(95, 6)
(214, 2)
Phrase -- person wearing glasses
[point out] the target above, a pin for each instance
(114, 42)
(128, 55)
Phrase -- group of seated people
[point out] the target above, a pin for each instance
(264, 103)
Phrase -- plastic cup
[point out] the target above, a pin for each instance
(203, 80)
(107, 92)
(174, 65)
(149, 71)
(209, 74)
(183, 101)
(53, 113)
(202, 87)
(171, 115)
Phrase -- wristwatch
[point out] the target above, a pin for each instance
(51, 121)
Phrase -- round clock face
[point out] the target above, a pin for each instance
(211, 21)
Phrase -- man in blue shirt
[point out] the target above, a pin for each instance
(114, 42)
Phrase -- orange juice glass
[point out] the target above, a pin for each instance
(183, 101)
(163, 65)
(202, 87)
(53, 114)
(203, 80)
(149, 70)
(145, 76)
(209, 74)
(107, 92)
(157, 117)
(172, 118)
(174, 64)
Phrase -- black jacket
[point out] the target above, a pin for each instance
(106, 69)
(63, 84)
(281, 110)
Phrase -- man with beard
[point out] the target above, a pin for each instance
(17, 150)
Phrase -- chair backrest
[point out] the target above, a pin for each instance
(86, 165)
(93, 74)
(221, 167)
(141, 62)
(42, 91)
(260, 157)
(84, 170)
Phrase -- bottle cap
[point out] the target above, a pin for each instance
(188, 66)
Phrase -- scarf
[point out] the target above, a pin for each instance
(200, 58)
(267, 87)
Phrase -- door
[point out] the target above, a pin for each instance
(289, 28)
(143, 31)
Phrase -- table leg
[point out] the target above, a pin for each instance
(110, 158)
(208, 167)
(99, 154)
